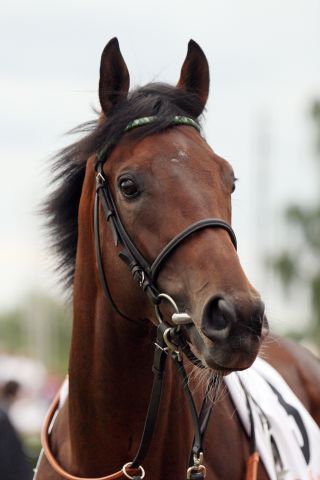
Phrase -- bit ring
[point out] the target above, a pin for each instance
(169, 300)
(170, 345)
(128, 465)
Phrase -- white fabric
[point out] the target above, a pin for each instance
(284, 428)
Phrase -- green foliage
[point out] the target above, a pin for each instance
(308, 222)
(284, 265)
(12, 331)
(300, 262)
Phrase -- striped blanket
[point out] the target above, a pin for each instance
(287, 437)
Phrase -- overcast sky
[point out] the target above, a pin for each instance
(265, 69)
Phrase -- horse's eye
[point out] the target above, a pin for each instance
(128, 187)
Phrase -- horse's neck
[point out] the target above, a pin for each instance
(109, 379)
(110, 373)
(110, 385)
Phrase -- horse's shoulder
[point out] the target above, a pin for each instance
(300, 369)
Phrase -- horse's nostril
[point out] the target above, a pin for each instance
(219, 315)
(223, 318)
(258, 318)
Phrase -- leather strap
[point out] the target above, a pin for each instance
(45, 441)
(103, 278)
(252, 466)
(160, 356)
(178, 239)
(197, 444)
(158, 368)
(114, 219)
(205, 413)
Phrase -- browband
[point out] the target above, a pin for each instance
(177, 120)
(141, 122)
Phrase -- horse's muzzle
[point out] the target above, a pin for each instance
(232, 331)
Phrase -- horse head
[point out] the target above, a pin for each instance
(162, 178)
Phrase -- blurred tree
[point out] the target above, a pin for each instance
(39, 327)
(11, 331)
(299, 263)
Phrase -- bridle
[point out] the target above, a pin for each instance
(143, 273)
(170, 339)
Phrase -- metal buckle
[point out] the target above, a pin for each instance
(197, 466)
(171, 346)
(128, 465)
(165, 349)
(100, 178)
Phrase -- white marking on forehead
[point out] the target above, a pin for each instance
(181, 155)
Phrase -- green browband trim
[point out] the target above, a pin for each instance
(177, 120)
(140, 122)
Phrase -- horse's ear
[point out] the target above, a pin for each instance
(194, 77)
(114, 76)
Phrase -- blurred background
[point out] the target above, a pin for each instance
(263, 115)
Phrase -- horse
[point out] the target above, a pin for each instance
(143, 188)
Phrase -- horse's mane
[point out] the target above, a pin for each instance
(68, 166)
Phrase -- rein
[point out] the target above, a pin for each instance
(169, 341)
